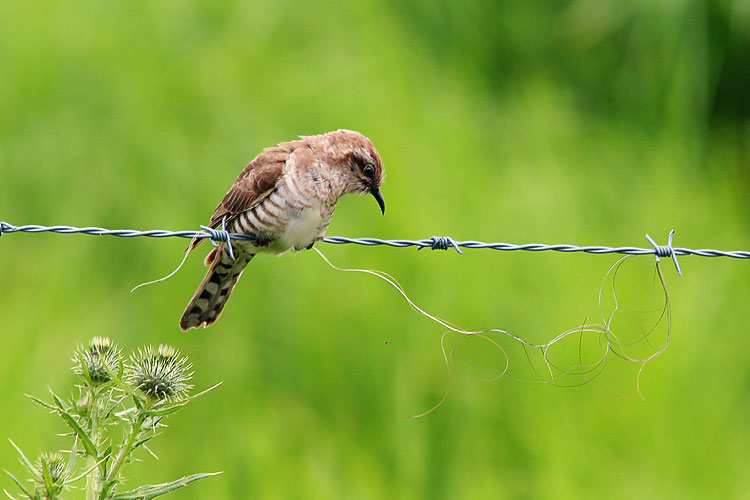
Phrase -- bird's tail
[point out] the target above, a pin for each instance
(213, 293)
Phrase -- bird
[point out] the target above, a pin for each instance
(285, 197)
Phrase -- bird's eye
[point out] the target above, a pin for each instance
(369, 170)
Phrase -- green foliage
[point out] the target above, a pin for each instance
(575, 121)
(112, 417)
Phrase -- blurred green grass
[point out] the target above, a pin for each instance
(584, 122)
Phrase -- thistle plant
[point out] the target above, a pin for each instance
(118, 409)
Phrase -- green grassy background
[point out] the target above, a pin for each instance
(586, 122)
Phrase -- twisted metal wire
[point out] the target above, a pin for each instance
(663, 251)
(434, 242)
(123, 233)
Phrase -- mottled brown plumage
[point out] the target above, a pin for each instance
(285, 197)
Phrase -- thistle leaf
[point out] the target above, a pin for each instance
(84, 369)
(88, 444)
(9, 495)
(72, 458)
(86, 472)
(194, 396)
(19, 484)
(165, 410)
(143, 441)
(147, 492)
(24, 460)
(58, 401)
(48, 483)
(41, 402)
(117, 378)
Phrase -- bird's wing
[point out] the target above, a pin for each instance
(256, 181)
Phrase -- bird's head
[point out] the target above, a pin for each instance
(357, 162)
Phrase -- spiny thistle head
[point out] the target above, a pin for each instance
(160, 374)
(55, 464)
(91, 361)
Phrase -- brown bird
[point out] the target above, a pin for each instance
(285, 197)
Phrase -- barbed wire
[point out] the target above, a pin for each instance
(435, 242)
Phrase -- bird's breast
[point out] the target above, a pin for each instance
(286, 220)
(303, 227)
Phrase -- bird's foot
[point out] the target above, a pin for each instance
(313, 242)
(260, 241)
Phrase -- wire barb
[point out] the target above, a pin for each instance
(665, 251)
(442, 243)
(219, 235)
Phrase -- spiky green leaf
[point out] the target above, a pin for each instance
(72, 457)
(58, 401)
(165, 410)
(24, 460)
(41, 402)
(19, 484)
(86, 472)
(88, 444)
(148, 492)
(117, 378)
(48, 482)
(9, 495)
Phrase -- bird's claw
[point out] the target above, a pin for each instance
(261, 242)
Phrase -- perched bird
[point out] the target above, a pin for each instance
(285, 197)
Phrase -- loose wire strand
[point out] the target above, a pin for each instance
(612, 344)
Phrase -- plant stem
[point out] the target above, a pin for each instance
(92, 479)
(127, 448)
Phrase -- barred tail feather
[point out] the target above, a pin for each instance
(213, 293)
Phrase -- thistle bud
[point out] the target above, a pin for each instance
(160, 374)
(56, 464)
(92, 360)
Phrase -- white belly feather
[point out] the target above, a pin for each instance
(286, 220)
(303, 228)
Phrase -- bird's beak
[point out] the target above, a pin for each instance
(379, 198)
